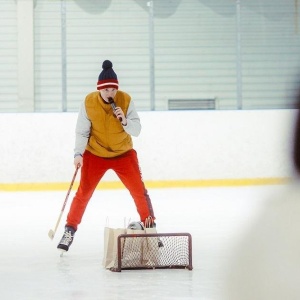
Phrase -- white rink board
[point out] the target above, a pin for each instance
(173, 145)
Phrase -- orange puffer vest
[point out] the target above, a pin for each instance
(107, 136)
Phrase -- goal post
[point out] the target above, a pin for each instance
(154, 251)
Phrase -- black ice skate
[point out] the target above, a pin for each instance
(67, 239)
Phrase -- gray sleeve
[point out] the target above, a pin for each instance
(133, 126)
(82, 131)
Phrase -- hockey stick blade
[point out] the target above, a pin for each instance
(51, 234)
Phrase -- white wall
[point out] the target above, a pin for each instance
(196, 45)
(173, 145)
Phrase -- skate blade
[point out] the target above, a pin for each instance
(62, 251)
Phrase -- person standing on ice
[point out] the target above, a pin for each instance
(106, 121)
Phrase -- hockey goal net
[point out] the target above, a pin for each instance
(154, 251)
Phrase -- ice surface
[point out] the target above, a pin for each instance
(31, 266)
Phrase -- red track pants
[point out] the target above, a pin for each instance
(94, 167)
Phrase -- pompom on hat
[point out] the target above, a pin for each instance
(107, 78)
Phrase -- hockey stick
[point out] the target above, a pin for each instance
(51, 232)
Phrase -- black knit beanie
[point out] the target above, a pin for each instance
(107, 78)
